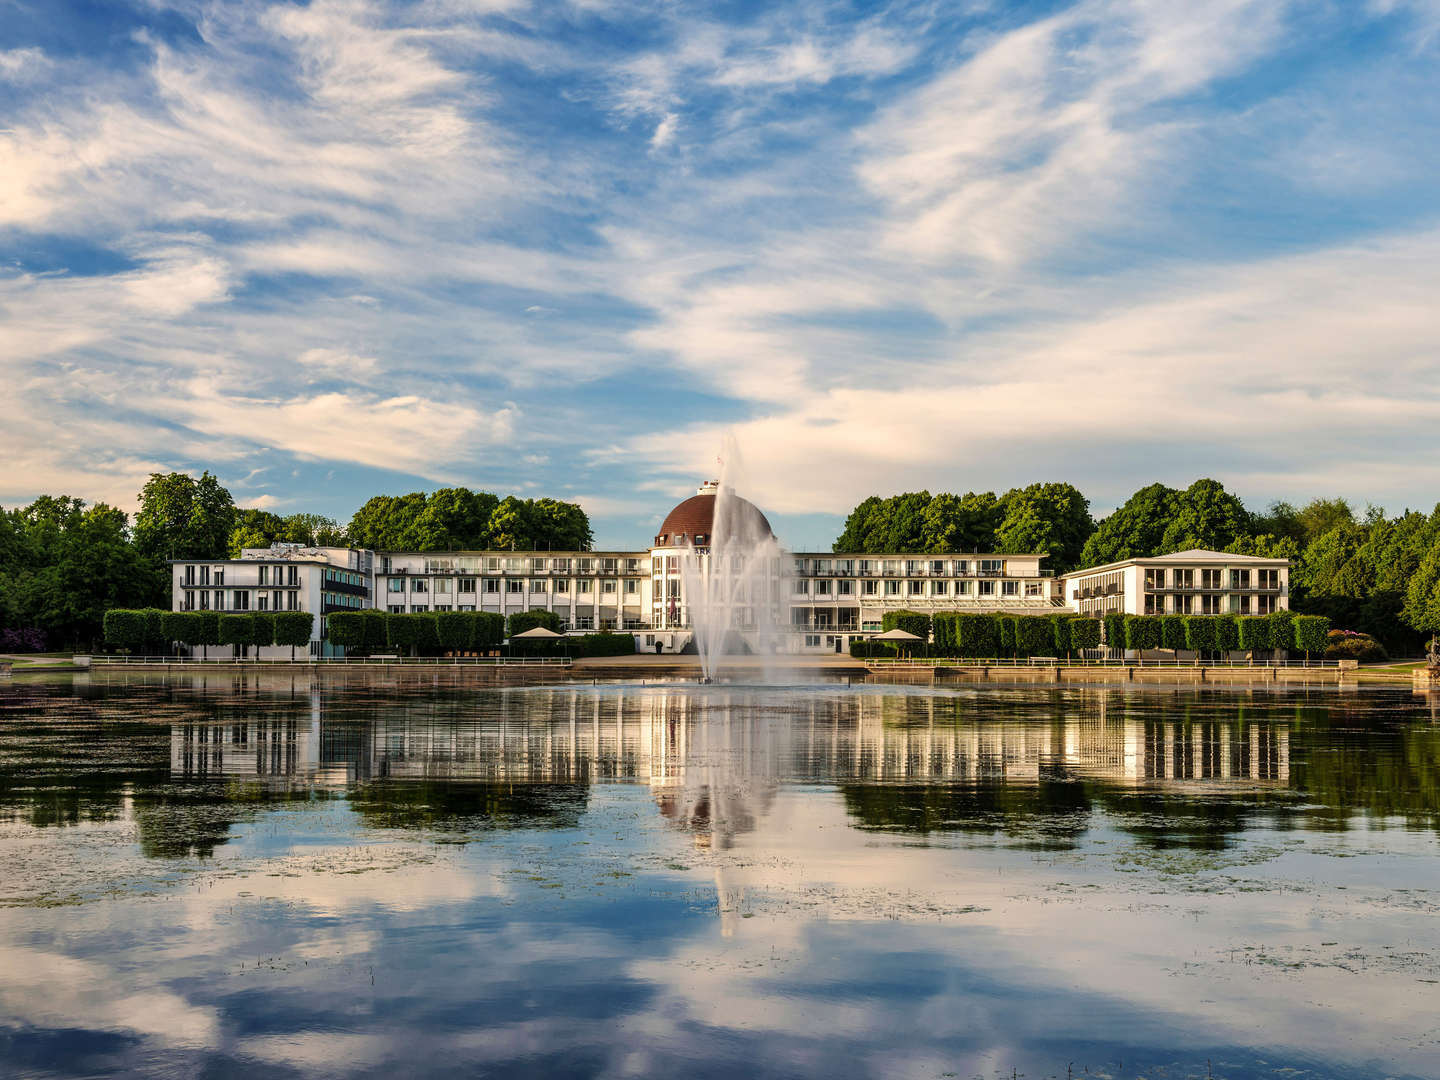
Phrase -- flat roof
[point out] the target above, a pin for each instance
(1192, 555)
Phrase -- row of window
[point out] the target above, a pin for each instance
(517, 564)
(898, 567)
(1210, 604)
(345, 600)
(338, 577)
(241, 600)
(289, 576)
(579, 622)
(1160, 578)
(513, 586)
(894, 587)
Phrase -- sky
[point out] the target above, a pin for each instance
(344, 248)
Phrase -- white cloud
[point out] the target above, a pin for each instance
(664, 132)
(22, 65)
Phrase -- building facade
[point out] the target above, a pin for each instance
(818, 601)
(1194, 582)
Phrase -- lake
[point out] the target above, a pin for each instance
(224, 876)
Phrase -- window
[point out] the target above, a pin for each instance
(583, 587)
(292, 575)
(442, 585)
(419, 585)
(442, 607)
(538, 585)
(189, 603)
(868, 588)
(562, 585)
(937, 567)
(204, 601)
(1267, 579)
(467, 585)
(892, 588)
(1154, 605)
(915, 588)
(537, 566)
(800, 587)
(262, 602)
(1210, 605)
(1184, 579)
(672, 564)
(492, 585)
(962, 588)
(190, 575)
(1264, 605)
(845, 588)
(845, 567)
(395, 584)
(992, 566)
(632, 587)
(1239, 579)
(672, 589)
(822, 566)
(962, 566)
(609, 566)
(939, 588)
(866, 567)
(802, 566)
(514, 585)
(1210, 579)
(1034, 588)
(890, 566)
(584, 566)
(204, 575)
(219, 599)
(293, 601)
(277, 600)
(418, 608)
(812, 640)
(914, 566)
(397, 609)
(1010, 588)
(264, 575)
(1240, 605)
(1183, 605)
(823, 588)
(608, 588)
(987, 588)
(219, 575)
(1155, 579)
(560, 566)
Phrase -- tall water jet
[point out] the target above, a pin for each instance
(734, 581)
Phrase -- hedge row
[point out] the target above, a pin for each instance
(154, 628)
(453, 631)
(1217, 633)
(980, 636)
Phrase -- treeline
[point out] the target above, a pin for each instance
(63, 564)
(966, 635)
(458, 519)
(1367, 572)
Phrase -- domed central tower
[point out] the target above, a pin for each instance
(692, 522)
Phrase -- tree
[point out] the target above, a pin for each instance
(1172, 632)
(254, 529)
(1034, 635)
(1200, 633)
(521, 621)
(1136, 530)
(237, 630)
(311, 530)
(125, 628)
(952, 524)
(1205, 516)
(912, 622)
(1310, 634)
(1227, 633)
(1255, 633)
(560, 526)
(294, 628)
(345, 628)
(455, 629)
(182, 517)
(1142, 632)
(1114, 623)
(1084, 633)
(1051, 519)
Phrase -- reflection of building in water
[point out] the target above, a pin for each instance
(715, 757)
(268, 747)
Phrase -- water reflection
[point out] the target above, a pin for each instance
(317, 880)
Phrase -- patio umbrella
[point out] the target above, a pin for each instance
(537, 633)
(897, 635)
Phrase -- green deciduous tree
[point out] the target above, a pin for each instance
(1052, 519)
(182, 517)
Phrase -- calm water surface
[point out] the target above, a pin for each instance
(279, 878)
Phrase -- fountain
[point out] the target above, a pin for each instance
(734, 583)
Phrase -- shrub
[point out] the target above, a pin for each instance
(528, 620)
(1349, 645)
(1084, 633)
(1034, 636)
(606, 644)
(346, 628)
(912, 622)
(22, 639)
(976, 636)
(1114, 630)
(1142, 631)
(942, 627)
(1172, 632)
(1200, 633)
(455, 630)
(489, 629)
(263, 627)
(294, 628)
(870, 650)
(238, 630)
(124, 627)
(1227, 633)
(181, 626)
(1007, 634)
(1060, 634)
(154, 628)
(401, 632)
(1255, 632)
(377, 631)
(1310, 631)
(1282, 629)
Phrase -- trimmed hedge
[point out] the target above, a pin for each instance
(293, 628)
(124, 627)
(264, 628)
(1282, 629)
(238, 630)
(346, 628)
(1060, 633)
(181, 626)
(976, 636)
(1114, 630)
(1227, 633)
(454, 629)
(1255, 632)
(1311, 633)
(605, 643)
(1034, 636)
(873, 650)
(1006, 634)
(1084, 633)
(1172, 632)
(1143, 631)
(1200, 633)
(376, 635)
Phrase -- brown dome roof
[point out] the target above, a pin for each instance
(692, 522)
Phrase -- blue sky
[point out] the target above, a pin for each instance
(334, 249)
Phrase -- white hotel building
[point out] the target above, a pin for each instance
(825, 600)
